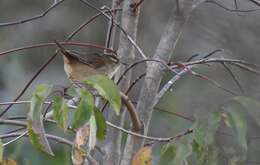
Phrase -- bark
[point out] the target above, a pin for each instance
(154, 74)
(125, 51)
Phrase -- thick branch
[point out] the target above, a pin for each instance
(154, 70)
(125, 51)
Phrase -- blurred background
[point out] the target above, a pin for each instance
(210, 27)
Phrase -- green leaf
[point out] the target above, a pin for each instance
(251, 105)
(205, 154)
(237, 122)
(200, 130)
(1, 151)
(84, 110)
(107, 89)
(203, 144)
(213, 124)
(175, 154)
(101, 124)
(92, 132)
(35, 119)
(60, 112)
(205, 128)
(183, 151)
(167, 154)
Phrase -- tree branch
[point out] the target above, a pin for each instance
(54, 5)
(153, 77)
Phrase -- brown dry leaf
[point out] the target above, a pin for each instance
(143, 156)
(8, 162)
(81, 140)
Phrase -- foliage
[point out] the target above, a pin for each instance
(204, 140)
(86, 112)
(35, 119)
(143, 156)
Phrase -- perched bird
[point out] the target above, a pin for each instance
(78, 66)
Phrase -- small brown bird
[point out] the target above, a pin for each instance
(78, 68)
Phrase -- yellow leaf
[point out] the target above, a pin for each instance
(81, 139)
(143, 156)
(8, 162)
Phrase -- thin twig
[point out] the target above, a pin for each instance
(16, 130)
(87, 22)
(236, 5)
(256, 2)
(91, 45)
(139, 50)
(169, 84)
(13, 122)
(168, 139)
(15, 102)
(230, 10)
(175, 114)
(245, 67)
(136, 5)
(15, 139)
(213, 82)
(216, 60)
(54, 5)
(233, 77)
(134, 82)
(192, 57)
(29, 83)
(142, 61)
(49, 136)
(172, 113)
(212, 53)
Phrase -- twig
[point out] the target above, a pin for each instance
(172, 113)
(54, 44)
(134, 82)
(55, 4)
(215, 60)
(146, 60)
(15, 139)
(13, 122)
(168, 139)
(86, 23)
(49, 136)
(137, 124)
(29, 83)
(192, 57)
(70, 106)
(213, 82)
(167, 86)
(131, 110)
(257, 2)
(16, 130)
(228, 9)
(139, 50)
(136, 5)
(15, 102)
(175, 114)
(212, 53)
(236, 5)
(110, 28)
(233, 77)
(243, 66)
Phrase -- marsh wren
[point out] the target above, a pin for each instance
(78, 65)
